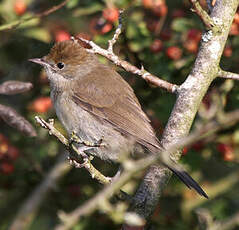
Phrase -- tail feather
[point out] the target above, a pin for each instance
(188, 181)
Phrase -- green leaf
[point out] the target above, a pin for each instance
(39, 34)
(181, 24)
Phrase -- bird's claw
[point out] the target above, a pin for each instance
(76, 164)
(76, 139)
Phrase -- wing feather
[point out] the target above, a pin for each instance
(113, 100)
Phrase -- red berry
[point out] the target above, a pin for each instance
(147, 3)
(226, 151)
(227, 51)
(106, 28)
(194, 34)
(191, 46)
(185, 150)
(62, 35)
(236, 18)
(13, 153)
(234, 29)
(156, 46)
(100, 26)
(228, 156)
(152, 24)
(6, 167)
(151, 4)
(203, 3)
(4, 145)
(41, 105)
(111, 14)
(222, 147)
(165, 35)
(160, 10)
(174, 53)
(3, 148)
(198, 146)
(3, 138)
(178, 13)
(20, 7)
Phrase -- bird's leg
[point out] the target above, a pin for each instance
(75, 162)
(81, 148)
(76, 139)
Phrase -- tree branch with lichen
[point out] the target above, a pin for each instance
(228, 75)
(189, 96)
(206, 19)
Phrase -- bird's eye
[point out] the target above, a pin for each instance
(60, 65)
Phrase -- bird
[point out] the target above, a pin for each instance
(92, 100)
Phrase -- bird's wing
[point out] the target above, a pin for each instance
(106, 95)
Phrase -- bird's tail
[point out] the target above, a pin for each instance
(188, 180)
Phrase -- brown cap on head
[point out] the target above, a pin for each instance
(68, 52)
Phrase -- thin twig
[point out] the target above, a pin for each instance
(206, 19)
(31, 205)
(109, 54)
(129, 67)
(228, 75)
(52, 9)
(87, 162)
(15, 24)
(52, 130)
(116, 34)
(206, 221)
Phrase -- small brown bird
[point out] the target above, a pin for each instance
(95, 102)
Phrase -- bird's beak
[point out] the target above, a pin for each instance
(39, 61)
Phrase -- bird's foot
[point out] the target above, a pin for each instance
(76, 139)
(82, 148)
(77, 164)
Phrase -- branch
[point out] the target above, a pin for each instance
(31, 205)
(109, 54)
(15, 24)
(14, 87)
(228, 75)
(206, 19)
(204, 217)
(132, 167)
(15, 120)
(52, 9)
(229, 223)
(206, 221)
(75, 160)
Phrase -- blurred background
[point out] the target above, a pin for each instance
(164, 37)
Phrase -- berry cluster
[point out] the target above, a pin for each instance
(8, 154)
